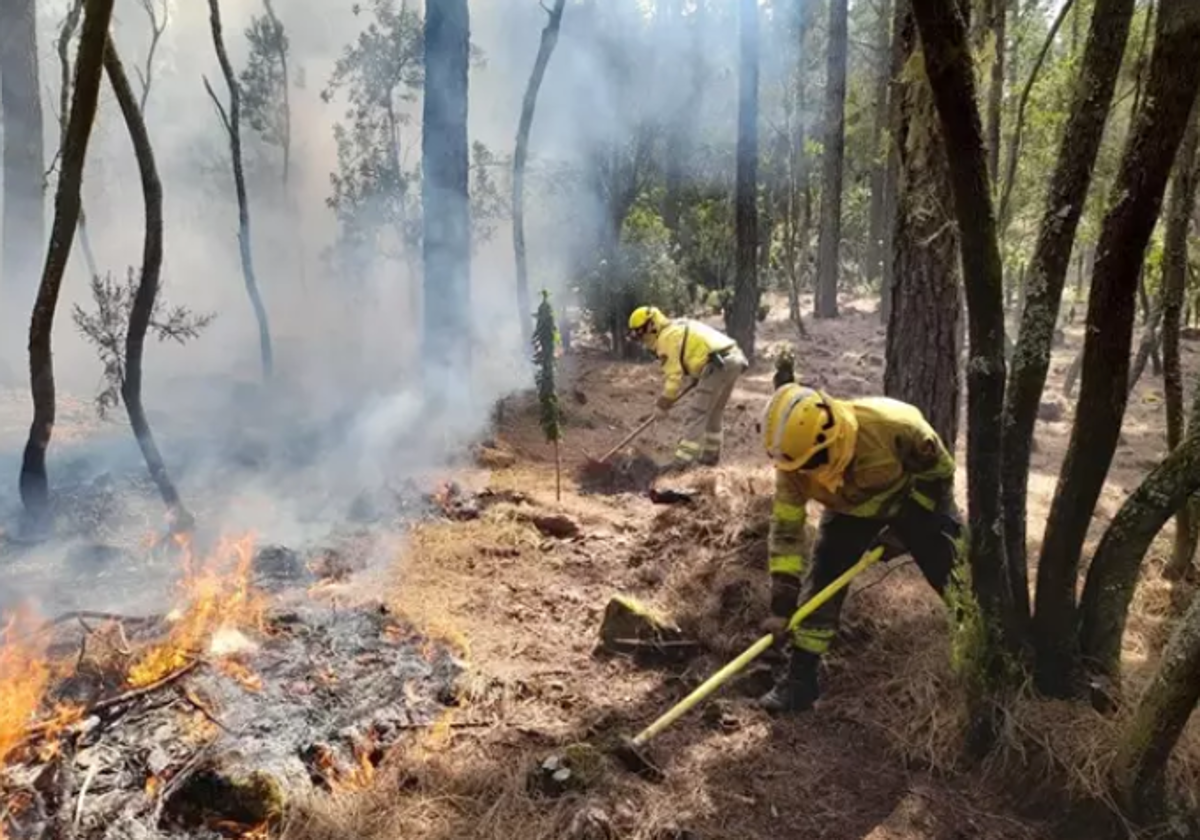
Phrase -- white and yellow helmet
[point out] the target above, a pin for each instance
(806, 429)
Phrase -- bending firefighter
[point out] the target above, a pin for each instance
(692, 349)
(882, 474)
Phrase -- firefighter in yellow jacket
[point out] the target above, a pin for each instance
(692, 349)
(882, 474)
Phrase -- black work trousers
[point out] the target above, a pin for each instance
(933, 538)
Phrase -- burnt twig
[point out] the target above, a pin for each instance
(142, 691)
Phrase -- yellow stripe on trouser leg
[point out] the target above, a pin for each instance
(785, 512)
(812, 639)
(686, 451)
(712, 443)
(786, 564)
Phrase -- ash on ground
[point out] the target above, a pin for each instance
(314, 701)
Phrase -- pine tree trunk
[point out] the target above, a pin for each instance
(921, 357)
(1157, 131)
(444, 196)
(830, 235)
(34, 485)
(952, 80)
(521, 155)
(24, 229)
(879, 151)
(234, 129)
(740, 318)
(1175, 263)
(1047, 274)
(147, 291)
(1151, 733)
(897, 116)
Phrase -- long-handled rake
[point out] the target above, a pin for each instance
(594, 466)
(629, 751)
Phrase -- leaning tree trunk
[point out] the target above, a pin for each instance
(879, 151)
(444, 201)
(21, 104)
(35, 490)
(1157, 130)
(1047, 273)
(1175, 264)
(147, 291)
(233, 127)
(1113, 574)
(528, 104)
(1151, 733)
(741, 318)
(922, 355)
(951, 77)
(829, 238)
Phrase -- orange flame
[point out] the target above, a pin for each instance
(24, 675)
(215, 598)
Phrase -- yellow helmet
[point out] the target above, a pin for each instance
(646, 321)
(805, 429)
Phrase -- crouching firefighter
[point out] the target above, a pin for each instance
(692, 349)
(883, 476)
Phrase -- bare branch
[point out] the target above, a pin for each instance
(217, 102)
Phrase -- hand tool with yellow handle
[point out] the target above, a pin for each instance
(629, 750)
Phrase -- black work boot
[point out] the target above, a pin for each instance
(797, 689)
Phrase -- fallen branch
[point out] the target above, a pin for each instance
(142, 691)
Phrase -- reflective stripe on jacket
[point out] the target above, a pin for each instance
(897, 455)
(679, 360)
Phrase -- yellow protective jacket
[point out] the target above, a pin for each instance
(897, 455)
(684, 347)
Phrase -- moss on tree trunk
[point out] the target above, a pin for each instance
(1047, 273)
(1157, 131)
(1152, 731)
(951, 77)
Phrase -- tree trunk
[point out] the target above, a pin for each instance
(741, 317)
(528, 104)
(680, 134)
(879, 151)
(147, 292)
(444, 197)
(921, 357)
(1014, 145)
(35, 490)
(1151, 733)
(830, 235)
(1113, 574)
(1047, 273)
(901, 12)
(951, 77)
(1147, 348)
(999, 17)
(234, 129)
(1175, 262)
(1157, 130)
(24, 207)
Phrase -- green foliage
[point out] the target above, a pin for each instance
(643, 272)
(545, 343)
(264, 81)
(105, 329)
(376, 198)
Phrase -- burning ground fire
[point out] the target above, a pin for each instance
(201, 718)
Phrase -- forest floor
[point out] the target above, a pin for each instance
(875, 760)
